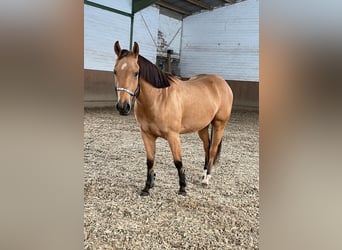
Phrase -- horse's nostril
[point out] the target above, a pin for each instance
(127, 107)
(123, 108)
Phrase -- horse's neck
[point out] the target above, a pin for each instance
(147, 93)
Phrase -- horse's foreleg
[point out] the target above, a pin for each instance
(150, 147)
(175, 145)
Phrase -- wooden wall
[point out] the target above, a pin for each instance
(99, 91)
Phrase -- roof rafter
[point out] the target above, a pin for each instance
(174, 8)
(200, 4)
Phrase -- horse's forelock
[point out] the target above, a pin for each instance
(123, 54)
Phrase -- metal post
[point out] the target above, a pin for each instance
(131, 33)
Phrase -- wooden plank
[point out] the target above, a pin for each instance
(173, 8)
(200, 4)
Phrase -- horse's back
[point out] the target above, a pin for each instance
(208, 80)
(213, 85)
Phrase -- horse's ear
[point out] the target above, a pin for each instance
(136, 49)
(117, 48)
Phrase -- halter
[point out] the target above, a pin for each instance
(130, 92)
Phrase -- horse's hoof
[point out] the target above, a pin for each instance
(205, 181)
(182, 192)
(144, 193)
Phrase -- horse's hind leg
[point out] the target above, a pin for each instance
(204, 135)
(150, 147)
(215, 147)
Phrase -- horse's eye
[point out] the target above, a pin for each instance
(136, 74)
(115, 72)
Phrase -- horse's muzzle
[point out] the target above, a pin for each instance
(123, 108)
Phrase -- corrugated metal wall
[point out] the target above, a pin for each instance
(224, 41)
(170, 29)
(146, 34)
(102, 28)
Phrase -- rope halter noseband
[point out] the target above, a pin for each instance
(130, 92)
(126, 90)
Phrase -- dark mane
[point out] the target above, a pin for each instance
(149, 71)
(152, 74)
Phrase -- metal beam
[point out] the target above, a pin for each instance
(100, 6)
(173, 8)
(200, 4)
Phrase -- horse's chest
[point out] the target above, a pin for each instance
(153, 127)
(153, 124)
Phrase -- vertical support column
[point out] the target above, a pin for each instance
(131, 32)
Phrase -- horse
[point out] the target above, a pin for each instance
(166, 107)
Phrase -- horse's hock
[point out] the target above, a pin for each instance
(223, 215)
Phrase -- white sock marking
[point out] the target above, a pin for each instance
(206, 179)
(204, 174)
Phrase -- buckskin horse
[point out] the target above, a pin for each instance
(166, 107)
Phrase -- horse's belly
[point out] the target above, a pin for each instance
(197, 118)
(189, 126)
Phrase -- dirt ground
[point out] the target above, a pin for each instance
(224, 215)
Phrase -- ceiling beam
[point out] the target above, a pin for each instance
(200, 4)
(174, 8)
(138, 5)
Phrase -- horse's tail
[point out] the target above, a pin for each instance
(217, 156)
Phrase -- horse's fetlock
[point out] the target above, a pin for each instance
(149, 163)
(150, 179)
(182, 180)
(178, 164)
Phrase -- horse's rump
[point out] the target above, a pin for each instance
(207, 94)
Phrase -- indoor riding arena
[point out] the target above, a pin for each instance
(184, 38)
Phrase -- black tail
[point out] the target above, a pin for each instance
(217, 156)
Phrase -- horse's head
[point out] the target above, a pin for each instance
(126, 73)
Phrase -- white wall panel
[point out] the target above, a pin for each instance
(223, 41)
(169, 27)
(141, 32)
(123, 5)
(101, 29)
